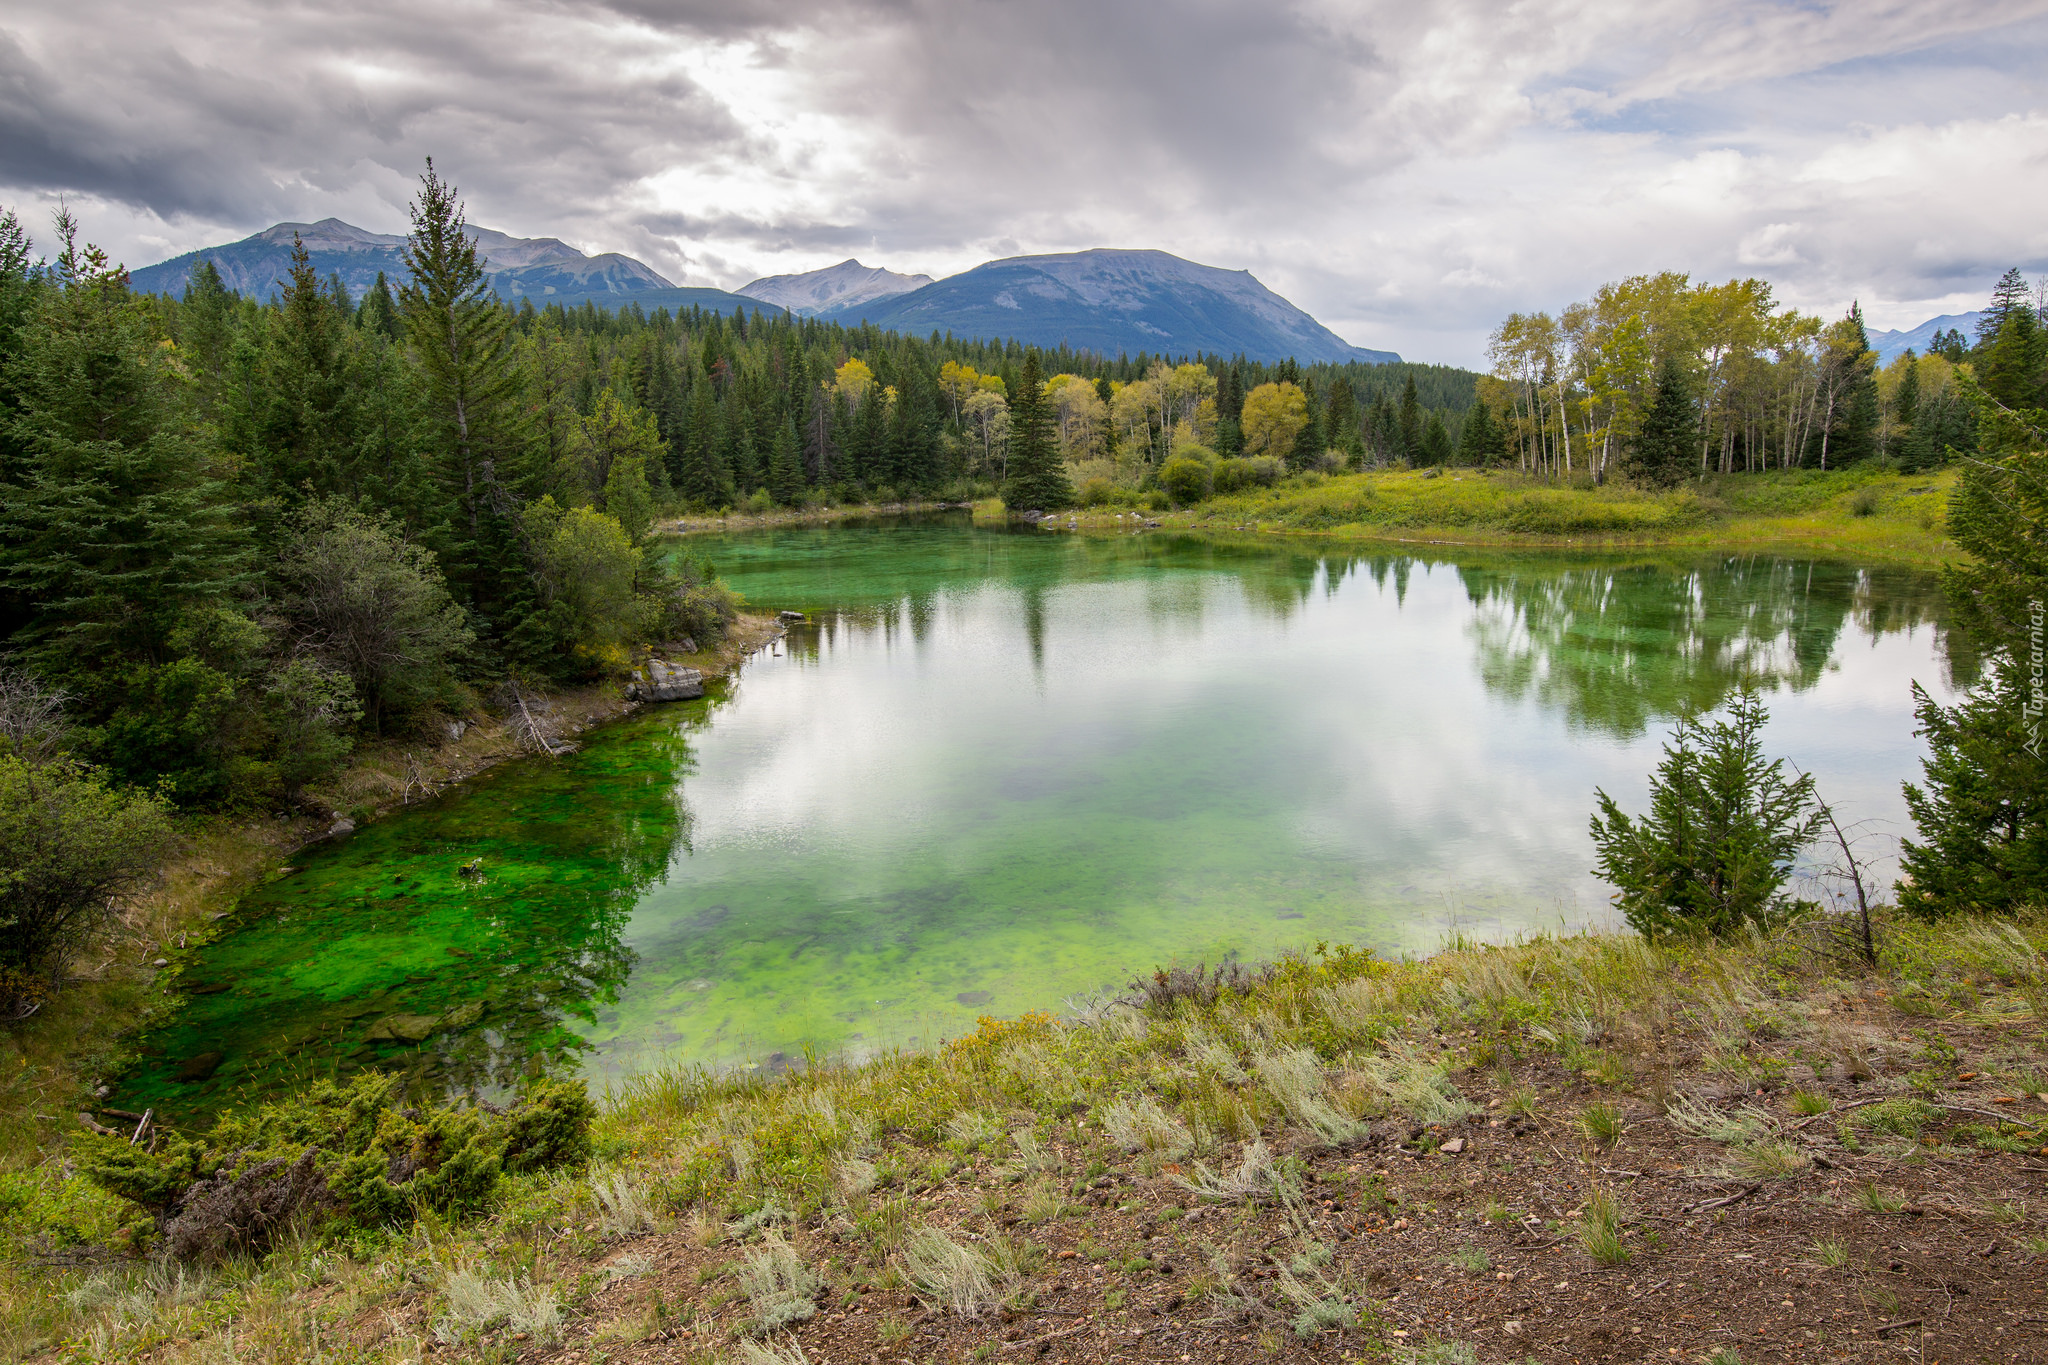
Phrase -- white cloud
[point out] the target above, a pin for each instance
(1408, 173)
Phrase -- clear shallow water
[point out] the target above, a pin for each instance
(1002, 768)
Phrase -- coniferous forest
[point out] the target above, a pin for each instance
(240, 535)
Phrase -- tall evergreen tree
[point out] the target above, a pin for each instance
(460, 335)
(1981, 809)
(1410, 429)
(1479, 444)
(378, 312)
(1667, 446)
(785, 466)
(1436, 442)
(2009, 296)
(1038, 476)
(2012, 366)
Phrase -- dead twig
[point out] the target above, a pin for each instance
(1724, 1201)
(1049, 1336)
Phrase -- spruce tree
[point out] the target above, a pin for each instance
(1981, 808)
(1409, 438)
(113, 527)
(1479, 442)
(1038, 476)
(307, 437)
(461, 337)
(1668, 442)
(2012, 367)
(2009, 296)
(1309, 443)
(377, 313)
(1436, 442)
(785, 467)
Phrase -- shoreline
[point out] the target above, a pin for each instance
(1784, 512)
(79, 1038)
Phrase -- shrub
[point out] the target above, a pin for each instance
(1186, 480)
(1199, 985)
(1723, 828)
(780, 1288)
(1260, 471)
(1096, 492)
(686, 601)
(69, 842)
(349, 1152)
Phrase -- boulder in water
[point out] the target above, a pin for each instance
(667, 682)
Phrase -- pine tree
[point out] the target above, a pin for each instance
(700, 475)
(1667, 446)
(785, 467)
(206, 332)
(307, 440)
(2012, 367)
(1038, 477)
(1309, 444)
(1410, 428)
(2010, 295)
(461, 337)
(112, 525)
(1436, 442)
(1479, 444)
(1981, 809)
(377, 313)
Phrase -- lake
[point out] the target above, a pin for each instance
(1001, 768)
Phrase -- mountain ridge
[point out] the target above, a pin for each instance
(1108, 300)
(849, 284)
(540, 268)
(1890, 344)
(1115, 300)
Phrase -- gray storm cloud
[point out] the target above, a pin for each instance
(1407, 172)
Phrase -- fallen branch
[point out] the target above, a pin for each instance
(1049, 1336)
(1898, 1326)
(1725, 1200)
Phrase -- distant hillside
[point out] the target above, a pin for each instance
(540, 268)
(1116, 302)
(1889, 345)
(846, 285)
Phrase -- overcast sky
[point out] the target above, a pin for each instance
(1407, 170)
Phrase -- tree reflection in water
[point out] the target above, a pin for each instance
(1620, 647)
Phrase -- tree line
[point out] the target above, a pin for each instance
(1658, 378)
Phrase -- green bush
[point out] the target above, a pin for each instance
(1186, 480)
(69, 842)
(1723, 828)
(1096, 492)
(1260, 471)
(349, 1154)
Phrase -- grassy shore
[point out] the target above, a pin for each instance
(1869, 514)
(79, 1035)
(1568, 1149)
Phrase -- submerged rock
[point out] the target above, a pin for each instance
(667, 682)
(402, 1028)
(200, 1068)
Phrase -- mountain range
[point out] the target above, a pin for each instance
(834, 289)
(1889, 345)
(1109, 301)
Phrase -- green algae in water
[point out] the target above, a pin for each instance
(380, 951)
(1002, 769)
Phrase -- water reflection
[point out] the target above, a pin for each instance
(1617, 648)
(1000, 768)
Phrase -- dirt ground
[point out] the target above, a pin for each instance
(1466, 1242)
